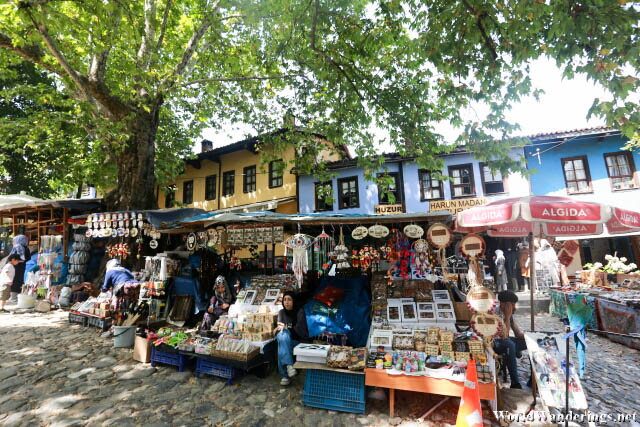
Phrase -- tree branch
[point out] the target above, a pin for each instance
(165, 19)
(336, 64)
(99, 63)
(149, 34)
(241, 79)
(479, 22)
(191, 47)
(32, 53)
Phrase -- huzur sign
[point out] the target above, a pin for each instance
(457, 205)
(388, 209)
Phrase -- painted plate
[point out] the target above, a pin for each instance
(88, 233)
(378, 231)
(153, 244)
(481, 300)
(360, 233)
(472, 245)
(439, 235)
(133, 232)
(413, 231)
(191, 241)
(120, 232)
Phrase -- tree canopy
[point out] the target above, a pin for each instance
(147, 76)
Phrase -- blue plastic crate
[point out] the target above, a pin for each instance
(334, 390)
(204, 366)
(78, 318)
(101, 323)
(174, 359)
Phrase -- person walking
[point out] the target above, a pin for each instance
(6, 279)
(20, 248)
(501, 272)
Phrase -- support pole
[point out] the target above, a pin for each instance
(566, 380)
(65, 233)
(532, 279)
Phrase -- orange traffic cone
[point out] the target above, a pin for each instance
(470, 412)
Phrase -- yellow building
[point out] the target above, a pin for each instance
(234, 178)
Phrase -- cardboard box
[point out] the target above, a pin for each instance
(142, 350)
(462, 311)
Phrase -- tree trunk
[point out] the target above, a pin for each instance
(136, 170)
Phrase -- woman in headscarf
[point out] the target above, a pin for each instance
(501, 272)
(547, 263)
(219, 303)
(122, 285)
(20, 248)
(291, 330)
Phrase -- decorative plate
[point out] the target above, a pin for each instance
(360, 233)
(107, 232)
(126, 232)
(153, 244)
(378, 231)
(191, 241)
(481, 300)
(439, 235)
(107, 216)
(120, 232)
(202, 239)
(126, 215)
(472, 245)
(133, 232)
(487, 325)
(413, 231)
(88, 233)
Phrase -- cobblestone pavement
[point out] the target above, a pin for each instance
(58, 374)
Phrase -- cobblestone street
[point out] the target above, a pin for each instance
(54, 373)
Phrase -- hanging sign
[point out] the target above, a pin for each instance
(191, 241)
(487, 325)
(413, 231)
(481, 300)
(457, 205)
(439, 235)
(153, 244)
(388, 209)
(378, 231)
(472, 245)
(360, 233)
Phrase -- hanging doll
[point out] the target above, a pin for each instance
(420, 256)
(400, 255)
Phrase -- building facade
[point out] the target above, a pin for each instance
(591, 165)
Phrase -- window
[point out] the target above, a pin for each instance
(275, 173)
(383, 199)
(430, 187)
(492, 182)
(228, 183)
(348, 193)
(461, 180)
(621, 170)
(210, 187)
(576, 174)
(187, 192)
(321, 189)
(249, 179)
(170, 196)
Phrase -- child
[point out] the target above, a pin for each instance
(6, 279)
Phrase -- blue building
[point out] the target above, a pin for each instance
(588, 164)
(472, 183)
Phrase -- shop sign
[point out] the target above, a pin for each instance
(413, 231)
(360, 233)
(388, 209)
(439, 235)
(378, 231)
(457, 205)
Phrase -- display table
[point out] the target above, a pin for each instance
(422, 384)
(622, 319)
(334, 389)
(560, 299)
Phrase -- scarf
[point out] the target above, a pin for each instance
(224, 296)
(20, 243)
(113, 264)
(290, 313)
(499, 254)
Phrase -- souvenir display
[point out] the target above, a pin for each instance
(278, 234)
(311, 353)
(400, 255)
(421, 256)
(426, 312)
(487, 325)
(271, 296)
(360, 233)
(249, 236)
(191, 241)
(481, 300)
(409, 314)
(201, 239)
(413, 231)
(378, 231)
(298, 245)
(393, 312)
(439, 235)
(153, 244)
(338, 356)
(357, 359)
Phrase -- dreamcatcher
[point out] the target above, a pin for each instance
(298, 244)
(420, 250)
(324, 246)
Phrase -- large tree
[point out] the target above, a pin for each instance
(340, 67)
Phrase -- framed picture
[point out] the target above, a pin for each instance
(426, 311)
(440, 295)
(393, 312)
(381, 340)
(409, 312)
(272, 296)
(250, 296)
(240, 297)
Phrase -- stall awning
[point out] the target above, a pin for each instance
(604, 235)
(257, 207)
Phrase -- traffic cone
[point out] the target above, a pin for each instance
(470, 412)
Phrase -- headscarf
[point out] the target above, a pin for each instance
(499, 254)
(113, 264)
(290, 313)
(224, 296)
(20, 243)
(544, 244)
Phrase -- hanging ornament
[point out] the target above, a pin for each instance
(413, 231)
(420, 250)
(191, 241)
(360, 233)
(298, 243)
(324, 247)
(341, 253)
(378, 231)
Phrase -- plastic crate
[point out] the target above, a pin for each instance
(174, 359)
(100, 323)
(78, 318)
(204, 366)
(334, 390)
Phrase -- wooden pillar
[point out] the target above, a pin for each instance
(39, 218)
(273, 258)
(266, 257)
(13, 224)
(65, 233)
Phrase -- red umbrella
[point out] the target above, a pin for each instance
(554, 216)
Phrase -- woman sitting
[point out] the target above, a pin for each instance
(219, 304)
(291, 330)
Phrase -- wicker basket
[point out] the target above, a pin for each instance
(446, 335)
(432, 349)
(480, 358)
(461, 356)
(433, 335)
(243, 357)
(446, 346)
(476, 346)
(450, 354)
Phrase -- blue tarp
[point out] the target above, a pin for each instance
(167, 218)
(352, 317)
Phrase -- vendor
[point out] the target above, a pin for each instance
(501, 271)
(510, 347)
(291, 330)
(219, 305)
(121, 284)
(81, 292)
(20, 248)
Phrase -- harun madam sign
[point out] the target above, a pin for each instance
(457, 205)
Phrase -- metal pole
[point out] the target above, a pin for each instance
(532, 278)
(566, 409)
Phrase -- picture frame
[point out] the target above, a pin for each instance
(271, 296)
(240, 297)
(394, 312)
(381, 338)
(250, 296)
(426, 312)
(409, 312)
(440, 295)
